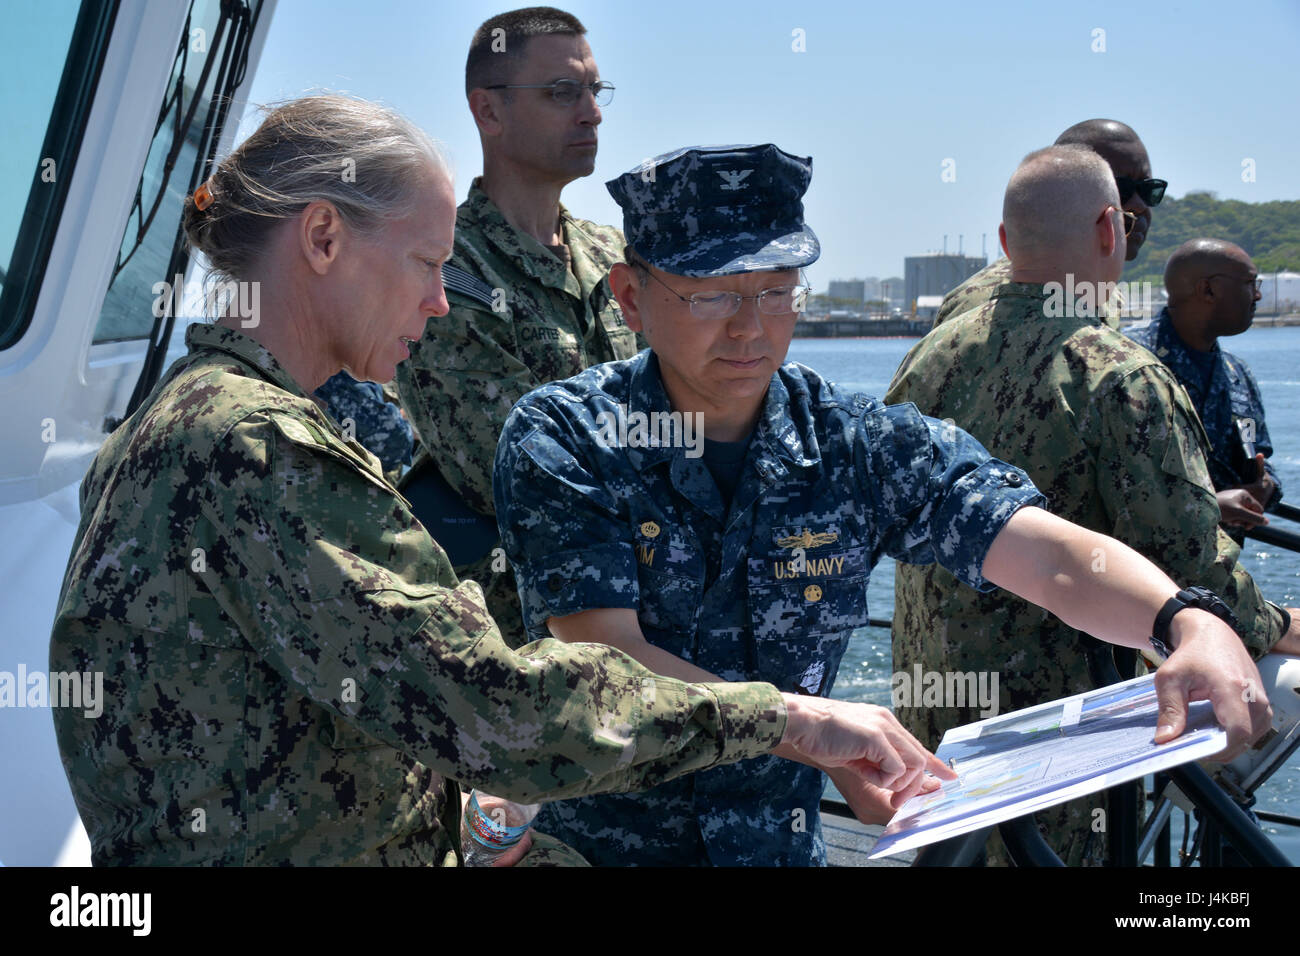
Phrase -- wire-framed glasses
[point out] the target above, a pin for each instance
(565, 92)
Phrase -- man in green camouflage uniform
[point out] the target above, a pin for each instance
(293, 675)
(530, 301)
(1138, 192)
(1101, 427)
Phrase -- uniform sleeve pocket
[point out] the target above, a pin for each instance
(1184, 460)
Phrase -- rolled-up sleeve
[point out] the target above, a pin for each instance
(938, 495)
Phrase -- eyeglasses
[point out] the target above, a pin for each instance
(781, 300)
(1257, 282)
(565, 92)
(1130, 218)
(1151, 190)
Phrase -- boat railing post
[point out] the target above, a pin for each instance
(958, 851)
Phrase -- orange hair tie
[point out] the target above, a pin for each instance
(203, 197)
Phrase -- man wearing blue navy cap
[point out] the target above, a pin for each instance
(715, 513)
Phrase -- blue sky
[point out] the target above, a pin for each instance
(881, 96)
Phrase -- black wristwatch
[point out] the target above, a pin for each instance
(1202, 598)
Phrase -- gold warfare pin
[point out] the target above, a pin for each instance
(807, 540)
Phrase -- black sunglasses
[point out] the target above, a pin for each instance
(1151, 190)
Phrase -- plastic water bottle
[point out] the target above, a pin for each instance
(491, 826)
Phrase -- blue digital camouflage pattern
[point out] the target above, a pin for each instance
(378, 425)
(1231, 396)
(718, 210)
(292, 673)
(770, 590)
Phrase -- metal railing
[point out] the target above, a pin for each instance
(1223, 819)
(1276, 536)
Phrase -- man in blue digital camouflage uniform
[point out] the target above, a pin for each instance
(1213, 286)
(743, 546)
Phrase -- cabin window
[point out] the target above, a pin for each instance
(50, 57)
(211, 53)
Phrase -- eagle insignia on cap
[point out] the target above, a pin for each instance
(734, 177)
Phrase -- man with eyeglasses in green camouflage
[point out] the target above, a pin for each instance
(530, 302)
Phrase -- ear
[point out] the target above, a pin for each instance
(1107, 236)
(320, 232)
(484, 110)
(1002, 239)
(627, 290)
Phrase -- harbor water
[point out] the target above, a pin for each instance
(1273, 354)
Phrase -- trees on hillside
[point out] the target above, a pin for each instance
(1268, 231)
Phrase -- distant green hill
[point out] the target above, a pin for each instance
(1268, 231)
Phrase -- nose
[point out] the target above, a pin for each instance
(588, 112)
(436, 304)
(747, 323)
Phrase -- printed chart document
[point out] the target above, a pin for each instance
(1034, 758)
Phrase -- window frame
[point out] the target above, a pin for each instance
(69, 115)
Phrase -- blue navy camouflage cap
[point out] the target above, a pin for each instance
(718, 210)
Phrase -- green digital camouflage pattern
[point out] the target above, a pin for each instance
(547, 851)
(293, 674)
(473, 364)
(1105, 431)
(974, 292)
